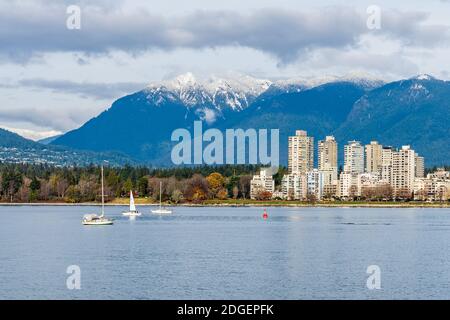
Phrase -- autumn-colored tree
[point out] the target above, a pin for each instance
(196, 188)
(264, 195)
(215, 183)
(73, 194)
(235, 192)
(311, 197)
(222, 194)
(353, 192)
(176, 196)
(403, 194)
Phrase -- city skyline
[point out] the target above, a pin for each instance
(369, 170)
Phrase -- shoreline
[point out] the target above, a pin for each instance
(249, 204)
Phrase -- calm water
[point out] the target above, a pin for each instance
(226, 253)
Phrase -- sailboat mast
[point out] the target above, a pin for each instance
(103, 196)
(160, 194)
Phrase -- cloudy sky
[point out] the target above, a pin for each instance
(53, 78)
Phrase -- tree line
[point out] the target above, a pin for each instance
(29, 183)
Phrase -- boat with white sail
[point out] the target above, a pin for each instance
(132, 212)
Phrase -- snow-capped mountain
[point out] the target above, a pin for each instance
(213, 97)
(214, 92)
(409, 111)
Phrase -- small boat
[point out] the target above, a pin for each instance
(98, 220)
(161, 210)
(133, 212)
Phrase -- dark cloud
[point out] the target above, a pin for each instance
(26, 31)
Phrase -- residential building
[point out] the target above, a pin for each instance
(328, 155)
(386, 164)
(368, 180)
(294, 187)
(420, 166)
(374, 157)
(348, 185)
(300, 153)
(262, 182)
(403, 171)
(315, 181)
(354, 157)
(435, 187)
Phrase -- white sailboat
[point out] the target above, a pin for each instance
(98, 220)
(161, 210)
(133, 212)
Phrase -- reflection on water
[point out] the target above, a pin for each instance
(226, 253)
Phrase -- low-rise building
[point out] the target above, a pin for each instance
(348, 185)
(294, 187)
(262, 182)
(435, 187)
(315, 181)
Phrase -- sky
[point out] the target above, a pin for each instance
(53, 78)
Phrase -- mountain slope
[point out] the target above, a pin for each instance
(319, 110)
(14, 148)
(414, 111)
(49, 139)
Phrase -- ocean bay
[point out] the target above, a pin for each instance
(225, 253)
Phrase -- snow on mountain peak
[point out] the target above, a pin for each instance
(423, 76)
(237, 91)
(214, 92)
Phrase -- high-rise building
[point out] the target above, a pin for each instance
(354, 157)
(386, 164)
(300, 153)
(374, 157)
(420, 166)
(328, 155)
(403, 170)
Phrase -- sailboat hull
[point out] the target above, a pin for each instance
(104, 222)
(132, 214)
(162, 211)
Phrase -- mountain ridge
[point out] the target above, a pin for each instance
(140, 124)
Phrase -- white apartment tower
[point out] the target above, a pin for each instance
(354, 157)
(403, 169)
(420, 166)
(300, 153)
(386, 164)
(374, 157)
(328, 154)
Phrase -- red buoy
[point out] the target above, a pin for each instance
(265, 215)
